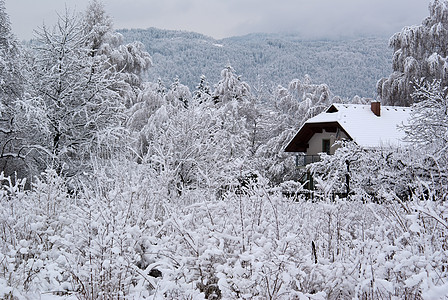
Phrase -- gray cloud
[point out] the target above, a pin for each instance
(222, 18)
(326, 18)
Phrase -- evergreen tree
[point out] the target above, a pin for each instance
(202, 92)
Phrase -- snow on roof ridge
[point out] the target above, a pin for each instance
(364, 126)
(365, 105)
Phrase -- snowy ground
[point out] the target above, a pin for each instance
(258, 245)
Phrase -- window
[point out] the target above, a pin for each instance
(326, 146)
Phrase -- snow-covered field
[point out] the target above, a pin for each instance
(104, 243)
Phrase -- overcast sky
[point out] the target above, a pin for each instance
(224, 18)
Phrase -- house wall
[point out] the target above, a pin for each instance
(315, 143)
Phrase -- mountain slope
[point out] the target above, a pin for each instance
(349, 67)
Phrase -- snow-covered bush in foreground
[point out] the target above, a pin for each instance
(114, 242)
(261, 247)
(83, 244)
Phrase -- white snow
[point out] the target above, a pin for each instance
(436, 292)
(367, 129)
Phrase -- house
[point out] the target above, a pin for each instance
(370, 126)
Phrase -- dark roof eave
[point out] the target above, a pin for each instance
(300, 141)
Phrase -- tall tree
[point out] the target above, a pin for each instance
(129, 60)
(11, 90)
(233, 98)
(98, 27)
(76, 91)
(419, 52)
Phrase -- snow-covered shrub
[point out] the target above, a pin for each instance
(122, 238)
(260, 246)
(31, 223)
(86, 243)
(241, 247)
(365, 173)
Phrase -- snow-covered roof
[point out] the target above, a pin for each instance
(364, 127)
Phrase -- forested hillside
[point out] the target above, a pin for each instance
(350, 67)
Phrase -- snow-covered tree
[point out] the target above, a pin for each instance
(11, 77)
(419, 52)
(204, 143)
(428, 129)
(201, 146)
(429, 122)
(238, 115)
(151, 98)
(202, 92)
(148, 102)
(230, 87)
(76, 91)
(130, 61)
(291, 107)
(98, 26)
(178, 93)
(11, 91)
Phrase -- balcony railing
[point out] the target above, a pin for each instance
(303, 160)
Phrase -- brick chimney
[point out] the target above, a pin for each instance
(375, 106)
